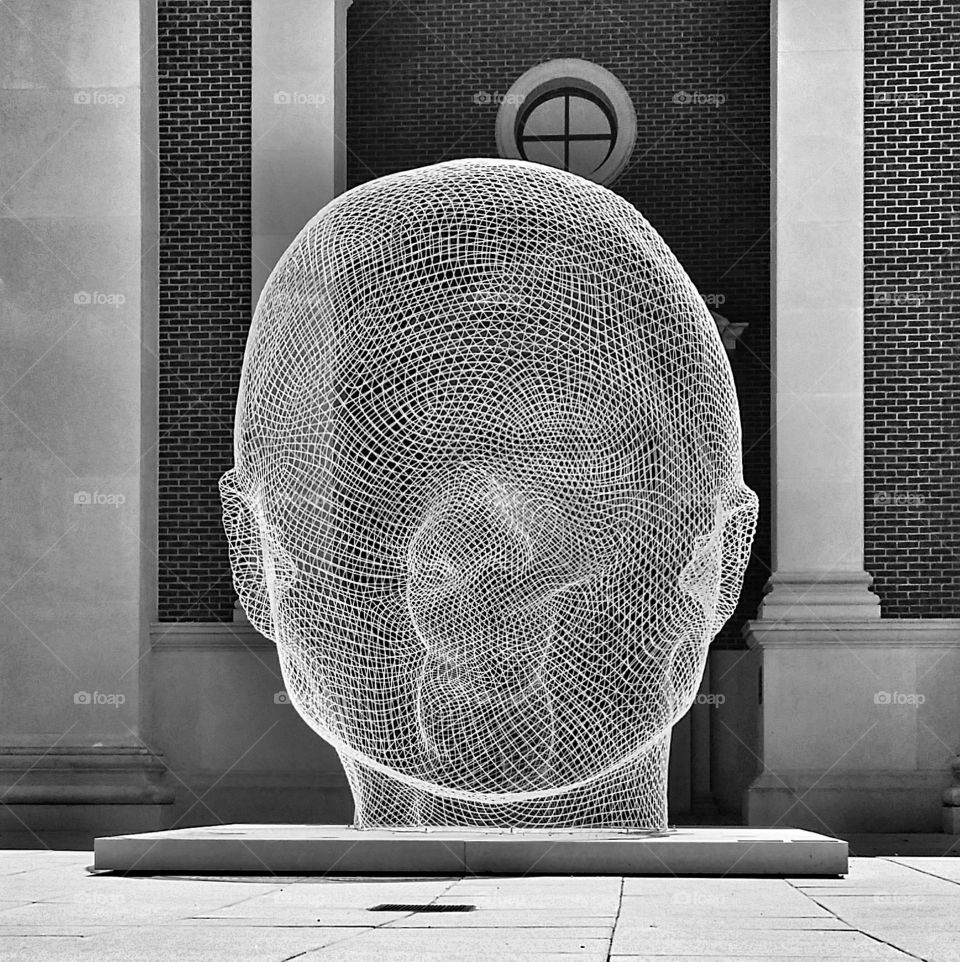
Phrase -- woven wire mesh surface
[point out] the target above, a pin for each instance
(487, 496)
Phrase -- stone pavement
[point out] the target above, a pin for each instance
(889, 907)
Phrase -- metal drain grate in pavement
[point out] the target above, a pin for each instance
(399, 907)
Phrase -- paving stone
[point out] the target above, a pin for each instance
(74, 930)
(945, 868)
(96, 909)
(272, 914)
(735, 923)
(478, 953)
(939, 946)
(726, 958)
(454, 944)
(353, 895)
(721, 905)
(169, 943)
(901, 908)
(507, 919)
(71, 915)
(848, 945)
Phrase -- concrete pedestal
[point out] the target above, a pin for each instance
(854, 724)
(456, 851)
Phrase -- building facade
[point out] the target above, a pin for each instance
(160, 156)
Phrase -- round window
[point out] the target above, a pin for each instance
(569, 114)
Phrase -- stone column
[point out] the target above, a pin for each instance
(851, 703)
(817, 254)
(78, 233)
(298, 120)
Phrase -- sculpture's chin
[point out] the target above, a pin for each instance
(485, 739)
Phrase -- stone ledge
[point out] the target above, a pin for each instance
(903, 632)
(82, 775)
(86, 789)
(206, 636)
(257, 779)
(885, 633)
(867, 801)
(872, 780)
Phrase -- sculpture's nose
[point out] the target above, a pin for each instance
(486, 618)
(482, 571)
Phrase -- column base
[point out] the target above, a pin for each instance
(819, 596)
(846, 802)
(950, 824)
(858, 724)
(82, 789)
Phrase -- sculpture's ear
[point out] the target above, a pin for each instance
(741, 507)
(246, 552)
(714, 573)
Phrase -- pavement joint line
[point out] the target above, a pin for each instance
(914, 868)
(616, 921)
(857, 928)
(372, 928)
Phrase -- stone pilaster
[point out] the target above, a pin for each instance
(298, 120)
(817, 253)
(78, 224)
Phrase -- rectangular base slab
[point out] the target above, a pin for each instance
(456, 851)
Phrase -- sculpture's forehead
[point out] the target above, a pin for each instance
(483, 294)
(440, 221)
(450, 192)
(494, 255)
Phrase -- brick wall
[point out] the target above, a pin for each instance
(912, 262)
(422, 86)
(204, 103)
(698, 173)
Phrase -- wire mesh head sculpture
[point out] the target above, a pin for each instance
(487, 496)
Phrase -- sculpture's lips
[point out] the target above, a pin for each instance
(482, 680)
